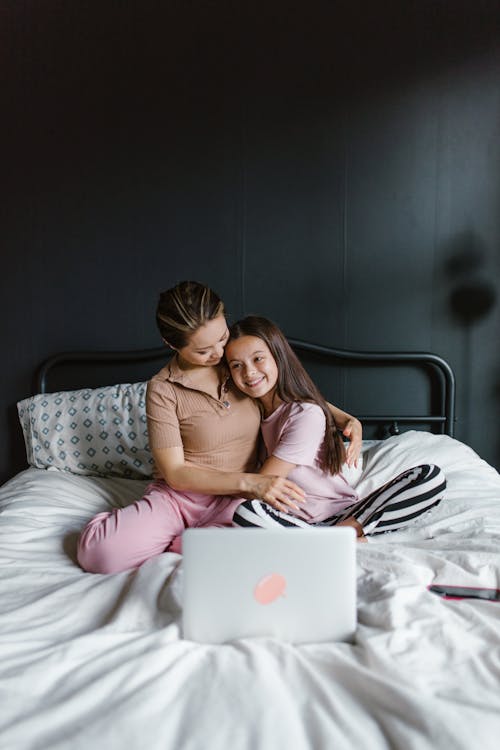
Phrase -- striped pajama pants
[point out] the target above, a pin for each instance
(388, 508)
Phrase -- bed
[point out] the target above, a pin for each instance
(96, 661)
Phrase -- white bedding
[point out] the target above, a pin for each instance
(90, 661)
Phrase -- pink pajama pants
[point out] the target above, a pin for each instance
(124, 538)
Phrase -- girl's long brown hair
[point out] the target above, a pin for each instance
(294, 383)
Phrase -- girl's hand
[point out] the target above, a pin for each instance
(278, 492)
(353, 431)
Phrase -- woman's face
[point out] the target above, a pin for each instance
(205, 347)
(252, 366)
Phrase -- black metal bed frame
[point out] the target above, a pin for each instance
(444, 419)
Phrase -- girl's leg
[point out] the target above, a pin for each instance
(124, 538)
(397, 503)
(256, 513)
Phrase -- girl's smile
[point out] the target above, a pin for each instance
(253, 368)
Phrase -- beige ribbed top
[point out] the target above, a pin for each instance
(212, 433)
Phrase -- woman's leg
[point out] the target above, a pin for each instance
(219, 516)
(397, 503)
(259, 514)
(124, 538)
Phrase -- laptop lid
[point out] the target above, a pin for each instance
(297, 585)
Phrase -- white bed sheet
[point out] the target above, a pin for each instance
(91, 661)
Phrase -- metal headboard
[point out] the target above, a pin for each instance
(444, 419)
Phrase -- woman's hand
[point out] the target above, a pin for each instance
(278, 492)
(353, 431)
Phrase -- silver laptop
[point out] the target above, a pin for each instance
(298, 585)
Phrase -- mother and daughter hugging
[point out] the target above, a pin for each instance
(241, 436)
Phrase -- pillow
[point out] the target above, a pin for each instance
(99, 431)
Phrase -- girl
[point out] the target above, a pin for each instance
(203, 434)
(303, 445)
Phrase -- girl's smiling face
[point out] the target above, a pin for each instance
(253, 367)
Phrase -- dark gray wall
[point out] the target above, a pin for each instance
(332, 165)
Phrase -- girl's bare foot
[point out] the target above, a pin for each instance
(351, 521)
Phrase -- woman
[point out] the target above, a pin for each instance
(303, 444)
(203, 434)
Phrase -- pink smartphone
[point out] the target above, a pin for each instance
(464, 592)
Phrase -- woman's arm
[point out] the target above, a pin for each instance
(182, 475)
(273, 466)
(352, 430)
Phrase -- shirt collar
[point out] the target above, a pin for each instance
(174, 374)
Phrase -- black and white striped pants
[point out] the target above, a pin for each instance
(388, 508)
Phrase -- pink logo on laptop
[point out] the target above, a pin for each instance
(270, 588)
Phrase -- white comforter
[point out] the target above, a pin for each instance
(90, 661)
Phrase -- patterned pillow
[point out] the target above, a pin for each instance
(99, 431)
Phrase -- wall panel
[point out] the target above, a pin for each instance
(336, 170)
